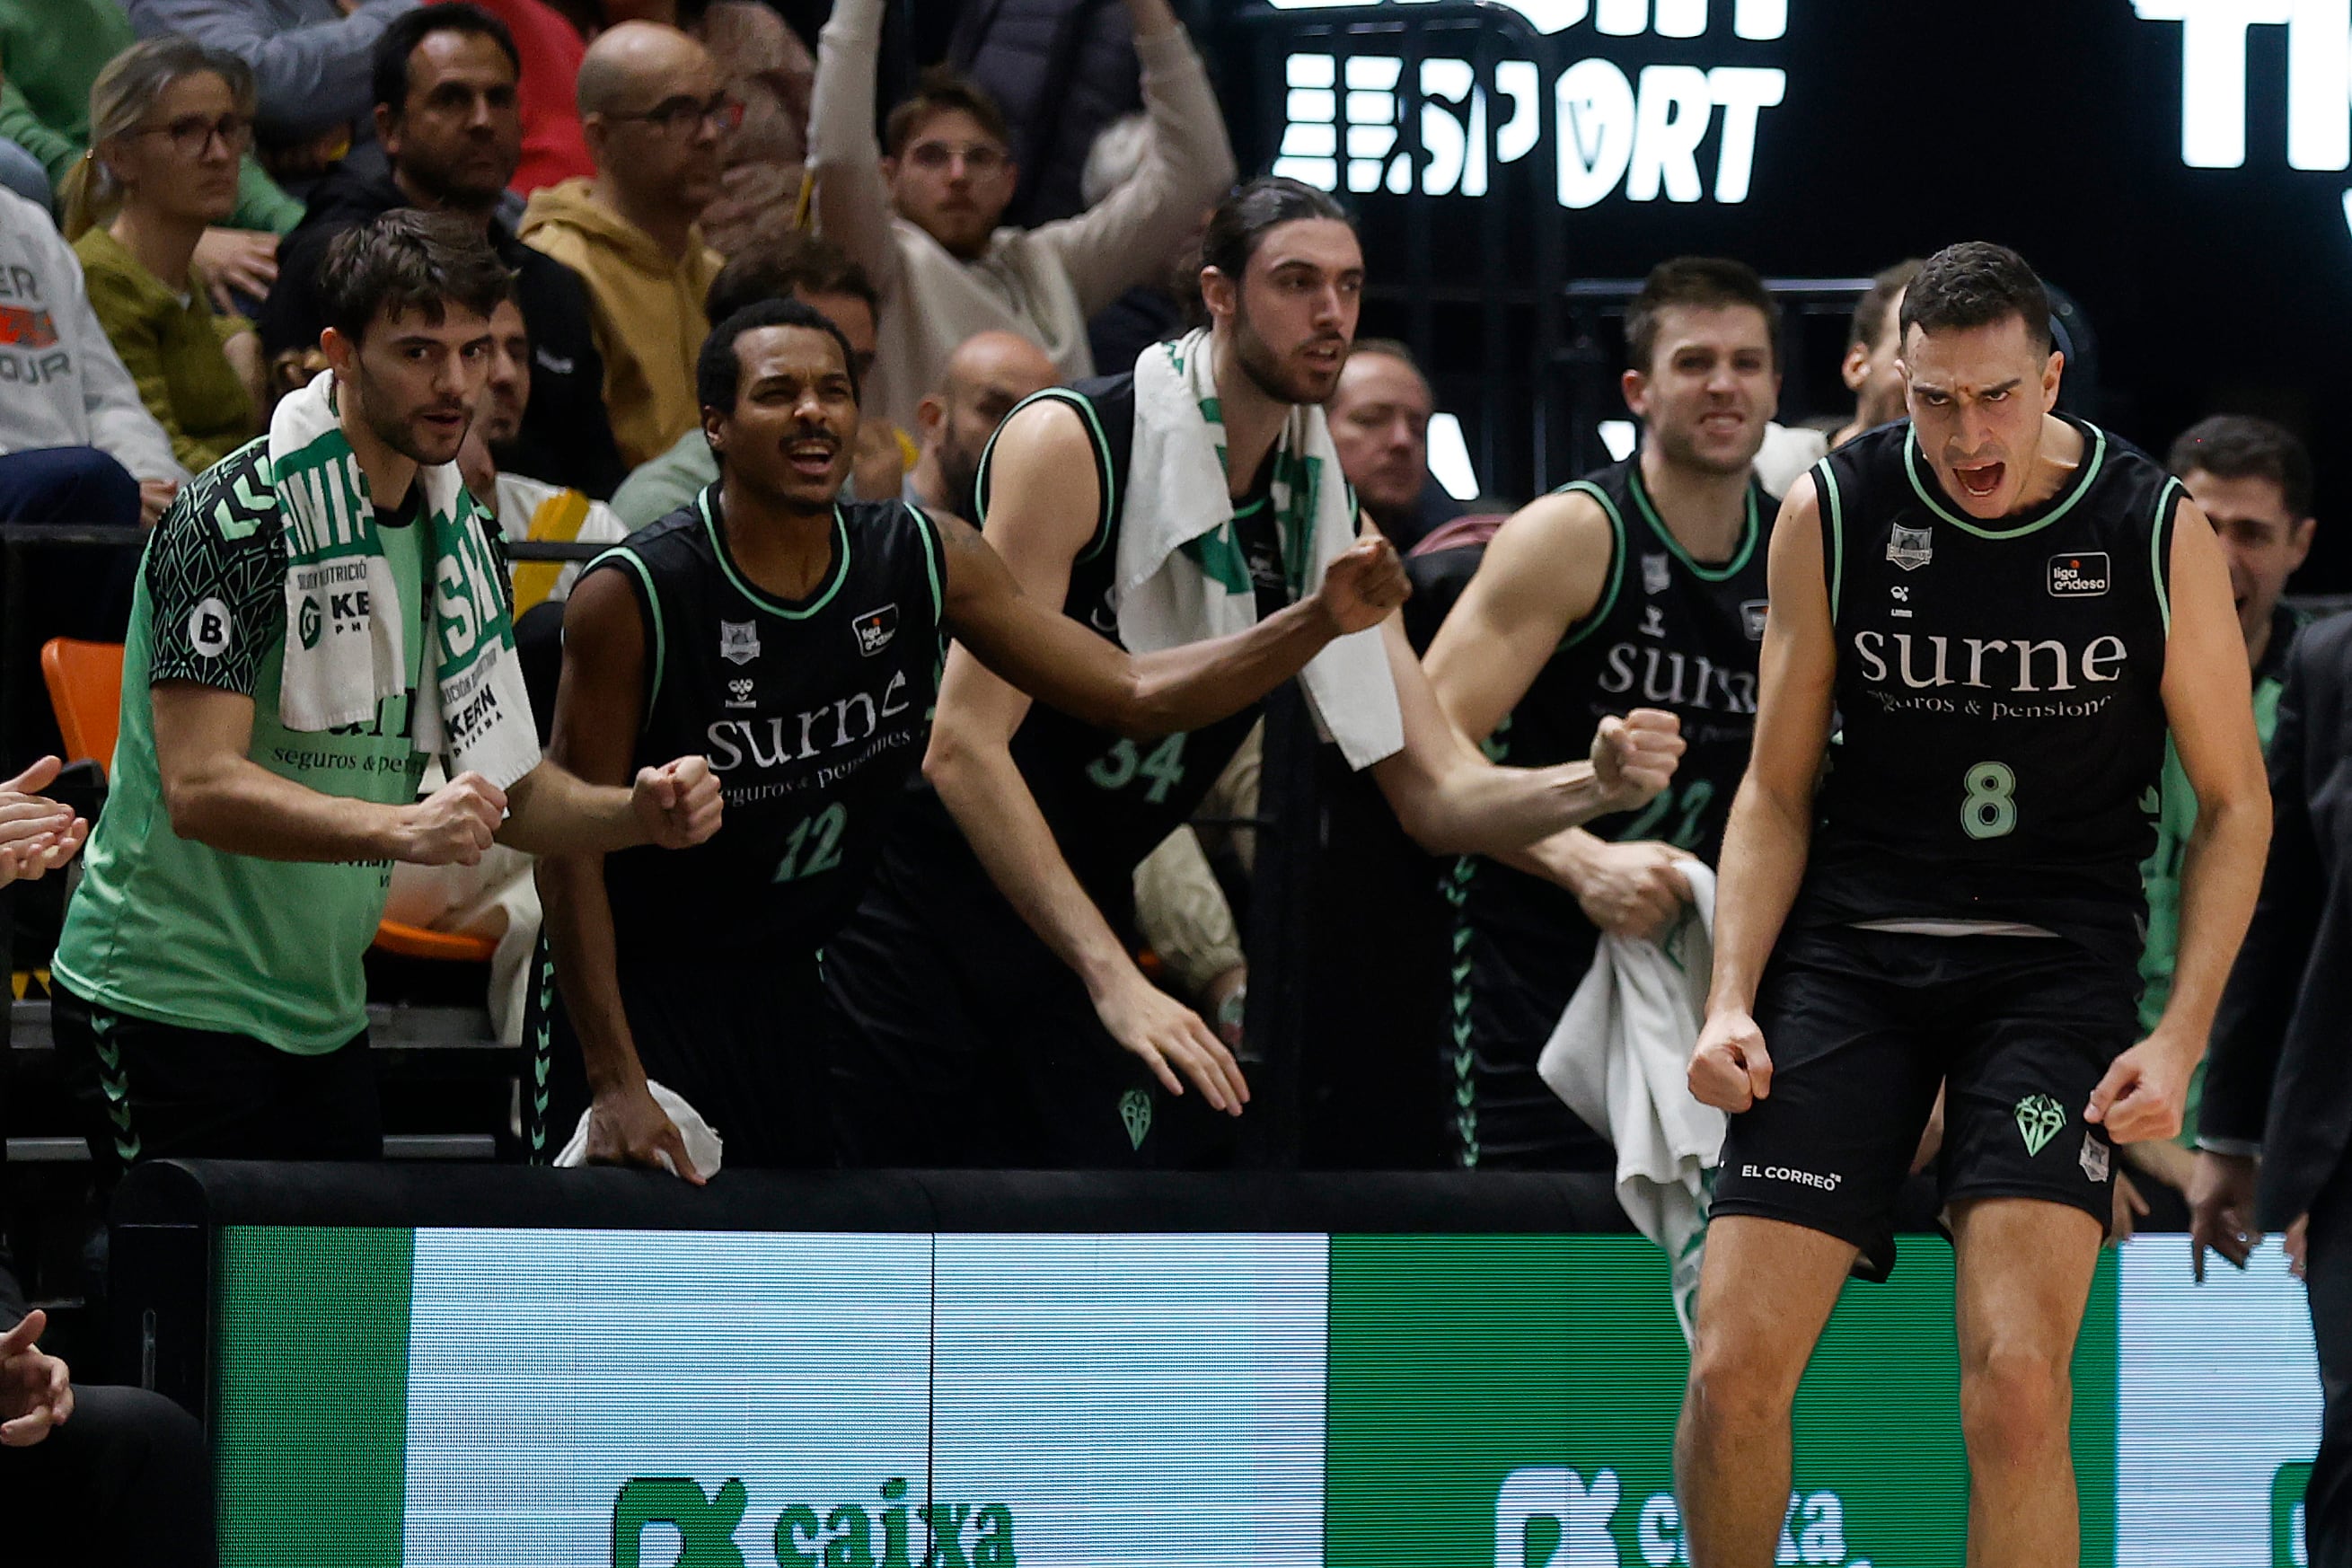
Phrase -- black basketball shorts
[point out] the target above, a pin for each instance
(1863, 1025)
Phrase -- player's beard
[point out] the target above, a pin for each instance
(403, 431)
(1682, 452)
(1267, 372)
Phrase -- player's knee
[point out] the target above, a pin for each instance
(1738, 1383)
(2015, 1402)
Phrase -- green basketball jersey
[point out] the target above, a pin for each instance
(166, 928)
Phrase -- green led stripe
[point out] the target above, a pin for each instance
(1616, 561)
(1751, 532)
(1837, 533)
(744, 587)
(1927, 497)
(2158, 567)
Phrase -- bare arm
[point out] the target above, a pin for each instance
(550, 811)
(853, 201)
(1770, 826)
(2208, 705)
(599, 705)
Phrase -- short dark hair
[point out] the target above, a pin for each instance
(939, 91)
(1870, 310)
(1977, 284)
(408, 260)
(774, 267)
(1698, 282)
(718, 373)
(2241, 446)
(389, 65)
(1256, 208)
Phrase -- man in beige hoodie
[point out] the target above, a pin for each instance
(654, 113)
(919, 212)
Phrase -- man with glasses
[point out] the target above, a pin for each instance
(445, 108)
(919, 210)
(655, 113)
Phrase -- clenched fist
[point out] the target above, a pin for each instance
(1730, 1069)
(677, 804)
(453, 826)
(1635, 757)
(1362, 586)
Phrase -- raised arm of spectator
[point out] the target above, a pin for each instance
(307, 78)
(852, 200)
(1133, 234)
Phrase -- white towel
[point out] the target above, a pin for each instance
(703, 1144)
(1619, 1057)
(1181, 576)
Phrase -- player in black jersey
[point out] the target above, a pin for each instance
(1642, 583)
(795, 641)
(2006, 608)
(987, 985)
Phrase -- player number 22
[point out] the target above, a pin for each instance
(821, 837)
(1989, 811)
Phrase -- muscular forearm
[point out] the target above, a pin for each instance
(1558, 859)
(983, 790)
(550, 811)
(1764, 848)
(240, 808)
(2221, 876)
(579, 920)
(1475, 808)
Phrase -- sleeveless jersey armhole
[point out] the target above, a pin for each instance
(1614, 578)
(1832, 511)
(640, 583)
(929, 533)
(1105, 479)
(2159, 534)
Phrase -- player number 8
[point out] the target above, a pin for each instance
(1991, 809)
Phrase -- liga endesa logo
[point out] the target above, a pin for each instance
(891, 1533)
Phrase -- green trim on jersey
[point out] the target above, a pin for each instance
(924, 530)
(1105, 479)
(2158, 567)
(1837, 532)
(622, 552)
(2089, 475)
(1599, 612)
(743, 585)
(1748, 538)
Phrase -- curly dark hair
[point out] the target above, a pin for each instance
(409, 259)
(1976, 284)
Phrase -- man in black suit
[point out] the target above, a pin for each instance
(2277, 1113)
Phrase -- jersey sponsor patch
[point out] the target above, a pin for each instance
(1911, 548)
(2079, 576)
(211, 628)
(1657, 571)
(738, 641)
(875, 629)
(1751, 617)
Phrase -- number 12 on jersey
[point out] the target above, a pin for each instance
(1989, 809)
(821, 837)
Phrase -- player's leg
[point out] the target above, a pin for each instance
(2025, 1268)
(906, 1086)
(1764, 1293)
(742, 1039)
(2327, 1270)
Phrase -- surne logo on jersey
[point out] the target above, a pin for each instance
(875, 629)
(738, 641)
(1911, 548)
(2078, 576)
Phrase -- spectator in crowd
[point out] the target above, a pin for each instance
(310, 62)
(1062, 71)
(170, 118)
(2252, 481)
(446, 87)
(76, 442)
(655, 112)
(50, 53)
(919, 210)
(2277, 1109)
(260, 787)
(1157, 309)
(982, 380)
(549, 49)
(1872, 369)
(1380, 422)
(793, 265)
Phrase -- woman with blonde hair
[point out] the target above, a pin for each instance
(169, 120)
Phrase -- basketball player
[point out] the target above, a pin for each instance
(1642, 583)
(987, 983)
(796, 642)
(2007, 607)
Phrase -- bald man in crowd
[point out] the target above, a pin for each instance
(987, 373)
(1379, 422)
(654, 113)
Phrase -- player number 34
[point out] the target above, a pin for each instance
(1989, 808)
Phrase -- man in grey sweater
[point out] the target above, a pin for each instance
(919, 210)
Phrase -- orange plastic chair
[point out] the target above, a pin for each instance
(85, 682)
(415, 942)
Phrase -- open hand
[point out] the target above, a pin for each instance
(677, 804)
(1730, 1069)
(455, 824)
(1172, 1039)
(37, 835)
(236, 261)
(628, 1127)
(1362, 586)
(1635, 757)
(35, 1391)
(2144, 1094)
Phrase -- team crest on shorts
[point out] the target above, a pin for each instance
(2039, 1118)
(875, 629)
(1135, 1114)
(1657, 571)
(1911, 548)
(738, 641)
(2093, 1157)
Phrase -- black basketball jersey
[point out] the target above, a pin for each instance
(1999, 692)
(1668, 631)
(813, 714)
